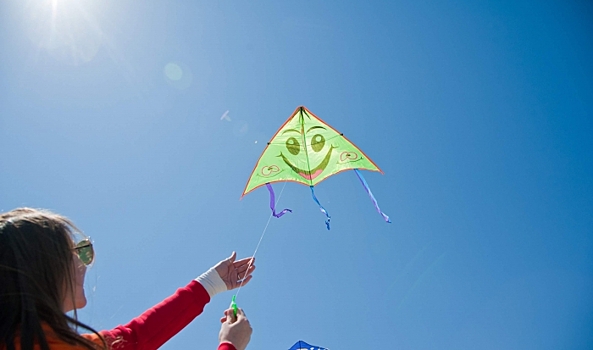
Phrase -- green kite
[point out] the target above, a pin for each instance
(307, 150)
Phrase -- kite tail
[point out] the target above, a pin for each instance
(273, 203)
(366, 187)
(321, 208)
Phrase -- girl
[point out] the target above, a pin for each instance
(42, 269)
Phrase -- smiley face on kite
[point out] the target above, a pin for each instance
(315, 143)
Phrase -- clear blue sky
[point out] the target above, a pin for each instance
(479, 113)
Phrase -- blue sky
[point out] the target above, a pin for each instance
(478, 112)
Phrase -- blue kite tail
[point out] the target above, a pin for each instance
(273, 203)
(366, 187)
(321, 208)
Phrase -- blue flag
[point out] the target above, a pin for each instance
(301, 345)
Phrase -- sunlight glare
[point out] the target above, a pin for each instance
(66, 29)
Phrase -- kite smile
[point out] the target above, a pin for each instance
(313, 173)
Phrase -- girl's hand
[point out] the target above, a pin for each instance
(233, 272)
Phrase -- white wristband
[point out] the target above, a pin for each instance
(212, 282)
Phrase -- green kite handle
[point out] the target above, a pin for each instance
(234, 305)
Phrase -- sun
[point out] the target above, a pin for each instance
(67, 30)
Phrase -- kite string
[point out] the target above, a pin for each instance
(260, 240)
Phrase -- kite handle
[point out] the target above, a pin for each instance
(234, 306)
(321, 208)
(366, 187)
(273, 203)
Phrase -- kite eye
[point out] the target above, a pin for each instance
(293, 146)
(318, 142)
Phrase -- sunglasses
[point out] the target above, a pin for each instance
(84, 250)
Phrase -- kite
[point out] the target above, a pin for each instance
(307, 150)
(301, 345)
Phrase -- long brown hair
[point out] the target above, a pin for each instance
(35, 268)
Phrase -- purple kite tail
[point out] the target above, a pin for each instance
(366, 187)
(321, 208)
(273, 203)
